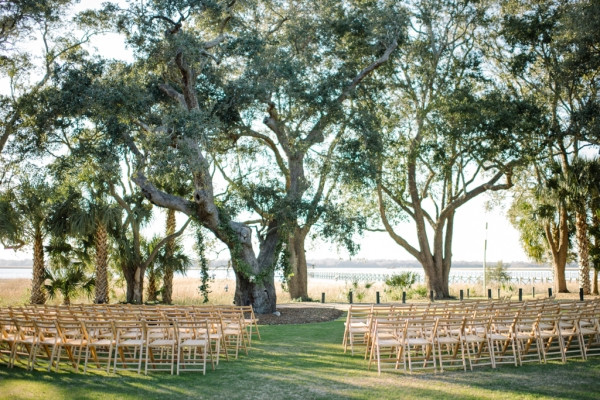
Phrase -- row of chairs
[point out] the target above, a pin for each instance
(128, 311)
(183, 341)
(482, 335)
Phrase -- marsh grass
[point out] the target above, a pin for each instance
(185, 291)
(307, 362)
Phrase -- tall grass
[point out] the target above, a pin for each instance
(185, 291)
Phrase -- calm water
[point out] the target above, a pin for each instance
(368, 274)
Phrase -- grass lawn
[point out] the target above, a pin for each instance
(307, 362)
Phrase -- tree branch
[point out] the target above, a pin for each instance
(174, 94)
(398, 239)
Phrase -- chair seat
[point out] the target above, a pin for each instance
(193, 342)
(162, 342)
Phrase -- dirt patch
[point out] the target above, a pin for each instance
(299, 315)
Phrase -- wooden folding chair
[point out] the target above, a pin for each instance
(571, 339)
(100, 340)
(589, 327)
(527, 340)
(503, 339)
(450, 342)
(418, 341)
(233, 331)
(250, 322)
(477, 342)
(386, 347)
(193, 345)
(129, 344)
(24, 341)
(161, 343)
(8, 335)
(548, 333)
(356, 326)
(46, 343)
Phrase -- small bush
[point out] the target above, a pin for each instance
(398, 283)
(358, 291)
(419, 292)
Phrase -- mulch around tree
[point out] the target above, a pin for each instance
(299, 315)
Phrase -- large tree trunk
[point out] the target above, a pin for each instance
(254, 275)
(298, 281)
(558, 242)
(260, 294)
(128, 274)
(138, 285)
(101, 287)
(37, 284)
(595, 289)
(436, 278)
(167, 295)
(581, 227)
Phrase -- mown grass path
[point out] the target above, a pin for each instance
(307, 362)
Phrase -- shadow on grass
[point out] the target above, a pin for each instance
(307, 362)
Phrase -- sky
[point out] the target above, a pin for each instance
(468, 243)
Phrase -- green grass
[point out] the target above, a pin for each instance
(307, 362)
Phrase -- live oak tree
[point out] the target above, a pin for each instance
(307, 64)
(189, 70)
(442, 134)
(34, 41)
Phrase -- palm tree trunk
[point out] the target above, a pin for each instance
(37, 293)
(167, 294)
(101, 294)
(152, 290)
(581, 226)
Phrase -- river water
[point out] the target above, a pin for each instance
(462, 275)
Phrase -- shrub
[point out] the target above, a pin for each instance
(398, 283)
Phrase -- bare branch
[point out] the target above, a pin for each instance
(270, 144)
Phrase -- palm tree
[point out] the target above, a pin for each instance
(68, 280)
(24, 220)
(167, 292)
(578, 188)
(172, 260)
(540, 214)
(92, 220)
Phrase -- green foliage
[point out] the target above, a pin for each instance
(204, 287)
(398, 283)
(418, 292)
(68, 279)
(359, 290)
(499, 276)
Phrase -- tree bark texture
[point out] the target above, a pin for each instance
(37, 284)
(101, 242)
(128, 274)
(152, 291)
(581, 227)
(138, 285)
(298, 281)
(254, 275)
(167, 293)
(558, 242)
